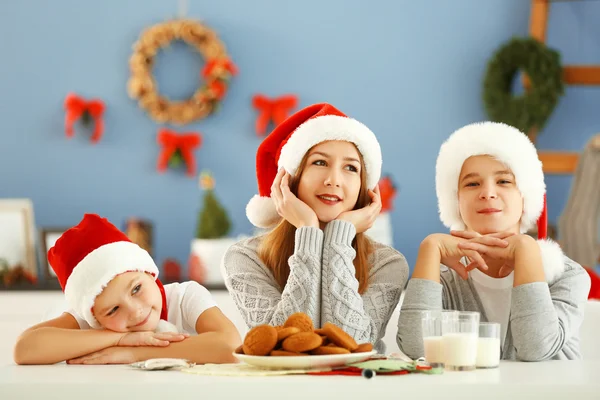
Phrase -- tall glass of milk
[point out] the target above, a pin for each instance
(431, 328)
(459, 340)
(488, 345)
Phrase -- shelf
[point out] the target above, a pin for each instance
(559, 162)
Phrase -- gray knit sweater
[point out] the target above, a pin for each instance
(321, 283)
(545, 317)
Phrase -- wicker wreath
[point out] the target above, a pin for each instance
(217, 72)
(542, 66)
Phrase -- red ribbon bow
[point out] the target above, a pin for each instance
(276, 110)
(387, 191)
(185, 143)
(212, 65)
(77, 107)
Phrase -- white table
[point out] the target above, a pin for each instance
(546, 380)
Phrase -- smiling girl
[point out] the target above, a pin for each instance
(317, 179)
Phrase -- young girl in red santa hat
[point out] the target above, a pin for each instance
(491, 191)
(120, 312)
(317, 180)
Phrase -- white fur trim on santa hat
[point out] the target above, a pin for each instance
(553, 259)
(333, 127)
(98, 268)
(165, 326)
(261, 212)
(503, 142)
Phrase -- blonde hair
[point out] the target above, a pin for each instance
(277, 246)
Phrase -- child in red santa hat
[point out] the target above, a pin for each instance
(491, 191)
(317, 181)
(120, 312)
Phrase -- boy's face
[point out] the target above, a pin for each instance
(130, 302)
(488, 197)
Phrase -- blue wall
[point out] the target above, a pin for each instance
(410, 70)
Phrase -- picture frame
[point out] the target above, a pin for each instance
(141, 232)
(48, 237)
(18, 261)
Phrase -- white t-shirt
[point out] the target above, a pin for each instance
(495, 295)
(185, 302)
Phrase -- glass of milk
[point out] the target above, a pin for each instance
(431, 328)
(459, 340)
(488, 345)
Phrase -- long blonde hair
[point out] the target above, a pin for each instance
(277, 246)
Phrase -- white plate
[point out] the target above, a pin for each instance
(304, 362)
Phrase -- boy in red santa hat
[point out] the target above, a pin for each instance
(120, 312)
(491, 191)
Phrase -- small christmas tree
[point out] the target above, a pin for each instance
(213, 221)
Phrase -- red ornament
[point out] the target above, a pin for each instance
(387, 191)
(276, 110)
(171, 270)
(196, 269)
(185, 142)
(77, 107)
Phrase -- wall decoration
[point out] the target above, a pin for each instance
(17, 243)
(211, 242)
(49, 236)
(216, 73)
(579, 222)
(141, 232)
(178, 148)
(530, 111)
(171, 271)
(382, 230)
(89, 111)
(272, 110)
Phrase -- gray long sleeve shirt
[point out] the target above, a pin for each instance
(545, 317)
(321, 283)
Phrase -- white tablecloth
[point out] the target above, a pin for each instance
(575, 380)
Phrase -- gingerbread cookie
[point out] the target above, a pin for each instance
(301, 321)
(320, 331)
(301, 342)
(363, 348)
(286, 332)
(336, 335)
(260, 340)
(284, 353)
(327, 350)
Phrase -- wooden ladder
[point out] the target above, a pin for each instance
(558, 162)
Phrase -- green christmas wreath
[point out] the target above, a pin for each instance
(533, 108)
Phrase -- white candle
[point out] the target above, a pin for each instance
(434, 352)
(460, 350)
(488, 352)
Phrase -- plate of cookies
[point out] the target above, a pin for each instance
(298, 345)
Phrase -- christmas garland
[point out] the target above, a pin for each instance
(216, 72)
(532, 109)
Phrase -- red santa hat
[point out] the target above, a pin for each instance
(89, 255)
(288, 143)
(514, 149)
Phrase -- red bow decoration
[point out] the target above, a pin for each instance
(77, 107)
(276, 110)
(184, 143)
(214, 66)
(387, 191)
